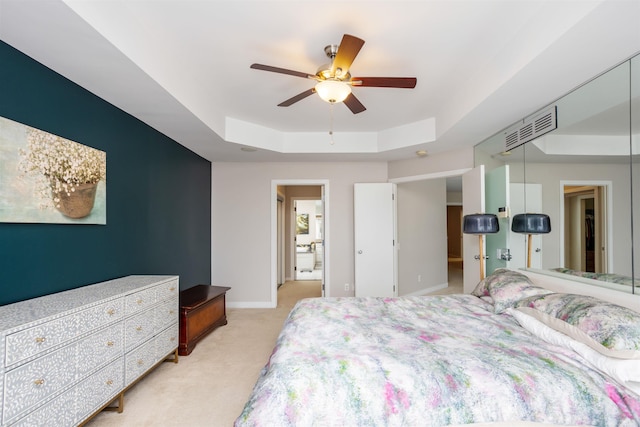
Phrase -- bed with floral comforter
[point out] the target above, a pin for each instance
(425, 361)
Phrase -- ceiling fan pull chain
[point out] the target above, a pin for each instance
(331, 122)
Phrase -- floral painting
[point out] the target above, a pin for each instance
(45, 178)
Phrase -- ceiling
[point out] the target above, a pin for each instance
(182, 66)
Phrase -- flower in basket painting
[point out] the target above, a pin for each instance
(53, 179)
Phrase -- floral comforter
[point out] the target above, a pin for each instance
(425, 361)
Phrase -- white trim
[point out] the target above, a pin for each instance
(259, 304)
(274, 236)
(428, 290)
(445, 174)
(211, 236)
(609, 190)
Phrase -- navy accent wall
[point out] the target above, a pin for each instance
(158, 194)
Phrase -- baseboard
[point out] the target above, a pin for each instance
(427, 290)
(250, 304)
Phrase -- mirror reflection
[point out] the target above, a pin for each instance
(582, 173)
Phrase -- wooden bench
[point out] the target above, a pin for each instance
(202, 309)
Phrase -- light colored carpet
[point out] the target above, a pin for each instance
(211, 385)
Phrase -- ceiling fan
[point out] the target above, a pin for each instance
(334, 80)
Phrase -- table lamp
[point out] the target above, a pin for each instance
(531, 223)
(480, 224)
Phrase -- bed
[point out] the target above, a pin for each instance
(497, 356)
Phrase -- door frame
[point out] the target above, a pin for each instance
(435, 175)
(607, 213)
(324, 183)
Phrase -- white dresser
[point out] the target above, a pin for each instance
(68, 355)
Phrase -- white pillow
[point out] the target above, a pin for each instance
(625, 371)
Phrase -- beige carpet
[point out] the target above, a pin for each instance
(210, 386)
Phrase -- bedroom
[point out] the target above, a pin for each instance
(150, 231)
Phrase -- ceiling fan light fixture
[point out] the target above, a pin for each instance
(333, 91)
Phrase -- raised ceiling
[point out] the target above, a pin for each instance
(183, 67)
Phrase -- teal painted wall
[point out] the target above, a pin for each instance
(158, 194)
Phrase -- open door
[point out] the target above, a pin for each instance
(472, 202)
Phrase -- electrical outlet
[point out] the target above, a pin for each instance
(346, 286)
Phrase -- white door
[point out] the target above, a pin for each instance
(472, 202)
(375, 234)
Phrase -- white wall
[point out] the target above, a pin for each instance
(422, 236)
(241, 223)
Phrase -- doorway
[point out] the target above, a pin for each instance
(308, 238)
(448, 275)
(284, 248)
(586, 226)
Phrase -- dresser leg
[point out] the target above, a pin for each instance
(120, 407)
(173, 359)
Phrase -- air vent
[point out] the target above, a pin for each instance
(531, 129)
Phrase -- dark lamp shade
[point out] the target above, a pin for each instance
(531, 223)
(480, 224)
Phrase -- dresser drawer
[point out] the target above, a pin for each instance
(102, 314)
(168, 290)
(24, 344)
(138, 328)
(166, 341)
(100, 388)
(28, 384)
(60, 412)
(138, 361)
(165, 314)
(139, 301)
(100, 348)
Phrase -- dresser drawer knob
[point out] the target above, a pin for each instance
(139, 328)
(109, 382)
(40, 340)
(110, 343)
(172, 339)
(171, 311)
(39, 382)
(140, 362)
(172, 289)
(111, 312)
(139, 301)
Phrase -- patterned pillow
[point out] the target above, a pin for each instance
(611, 329)
(507, 287)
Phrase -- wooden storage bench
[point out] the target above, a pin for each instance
(202, 309)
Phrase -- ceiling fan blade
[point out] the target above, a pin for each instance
(297, 98)
(281, 70)
(347, 51)
(397, 82)
(354, 104)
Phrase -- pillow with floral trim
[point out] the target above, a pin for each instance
(506, 287)
(608, 328)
